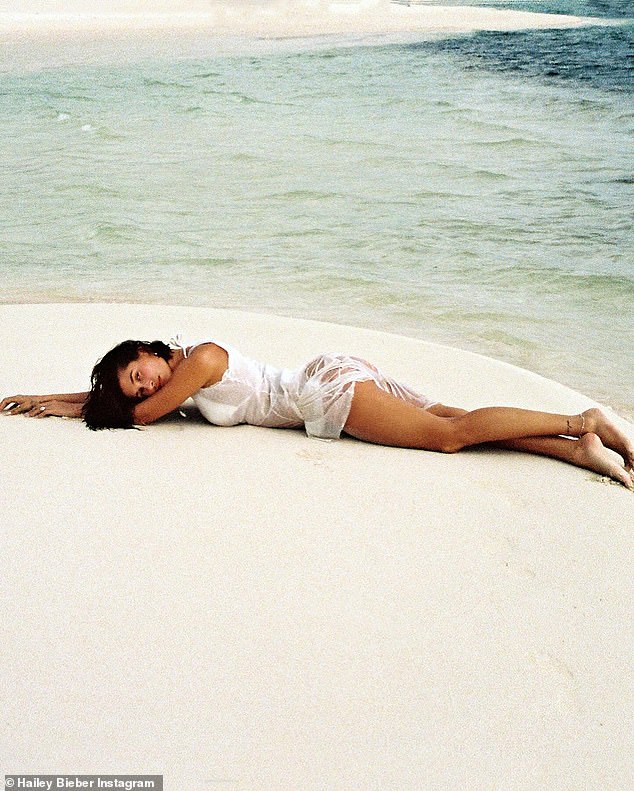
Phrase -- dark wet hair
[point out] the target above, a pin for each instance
(106, 405)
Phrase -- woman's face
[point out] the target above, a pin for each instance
(144, 376)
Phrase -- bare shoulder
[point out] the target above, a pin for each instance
(211, 359)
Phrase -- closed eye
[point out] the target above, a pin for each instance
(135, 378)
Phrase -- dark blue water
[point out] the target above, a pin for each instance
(599, 56)
(605, 9)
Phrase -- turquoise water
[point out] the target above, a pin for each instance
(416, 187)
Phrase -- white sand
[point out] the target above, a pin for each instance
(247, 608)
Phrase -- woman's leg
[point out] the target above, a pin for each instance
(376, 416)
(587, 452)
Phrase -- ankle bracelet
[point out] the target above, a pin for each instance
(571, 433)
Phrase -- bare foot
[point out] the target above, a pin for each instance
(591, 454)
(611, 436)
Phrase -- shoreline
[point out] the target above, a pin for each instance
(266, 318)
(624, 409)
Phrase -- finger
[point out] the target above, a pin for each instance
(8, 401)
(39, 410)
(21, 407)
(29, 410)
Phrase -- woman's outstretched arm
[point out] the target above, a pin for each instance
(58, 404)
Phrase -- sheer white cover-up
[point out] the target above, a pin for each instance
(317, 395)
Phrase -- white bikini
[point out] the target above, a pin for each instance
(318, 395)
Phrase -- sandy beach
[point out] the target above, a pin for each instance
(247, 608)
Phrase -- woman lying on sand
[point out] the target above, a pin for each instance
(139, 382)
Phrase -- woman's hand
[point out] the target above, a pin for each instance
(39, 406)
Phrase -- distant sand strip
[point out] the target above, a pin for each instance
(276, 19)
(53, 34)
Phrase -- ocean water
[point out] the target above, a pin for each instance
(475, 190)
